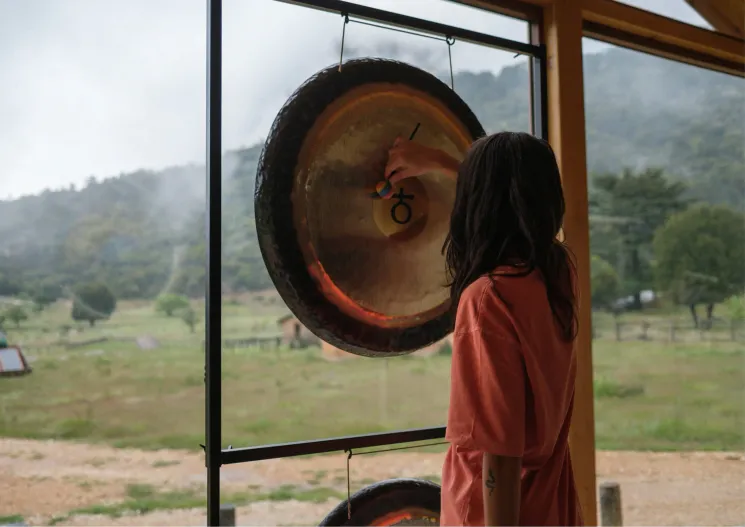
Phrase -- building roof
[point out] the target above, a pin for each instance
(284, 318)
(12, 362)
(725, 16)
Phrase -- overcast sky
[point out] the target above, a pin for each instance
(100, 87)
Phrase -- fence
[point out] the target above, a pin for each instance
(248, 342)
(670, 331)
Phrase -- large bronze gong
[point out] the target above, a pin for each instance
(366, 275)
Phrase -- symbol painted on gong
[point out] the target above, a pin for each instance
(401, 203)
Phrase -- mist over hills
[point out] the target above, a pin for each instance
(142, 232)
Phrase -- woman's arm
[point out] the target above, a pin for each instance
(448, 165)
(411, 159)
(501, 477)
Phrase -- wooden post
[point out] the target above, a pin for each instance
(227, 515)
(645, 330)
(611, 514)
(562, 28)
(619, 328)
(383, 393)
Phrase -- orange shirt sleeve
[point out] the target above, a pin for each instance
(488, 379)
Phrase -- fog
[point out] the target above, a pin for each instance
(100, 88)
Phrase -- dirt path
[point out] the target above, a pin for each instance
(41, 479)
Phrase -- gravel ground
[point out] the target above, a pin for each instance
(43, 479)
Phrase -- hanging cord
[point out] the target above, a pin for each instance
(379, 451)
(343, 34)
(447, 39)
(394, 449)
(450, 41)
(349, 486)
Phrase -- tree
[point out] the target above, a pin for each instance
(190, 317)
(627, 210)
(9, 285)
(169, 303)
(45, 293)
(605, 283)
(93, 301)
(16, 314)
(699, 256)
(124, 230)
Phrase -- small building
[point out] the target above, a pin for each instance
(13, 362)
(295, 334)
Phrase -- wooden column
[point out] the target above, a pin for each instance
(563, 39)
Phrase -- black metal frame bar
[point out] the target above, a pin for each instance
(372, 14)
(538, 85)
(215, 455)
(326, 446)
(213, 223)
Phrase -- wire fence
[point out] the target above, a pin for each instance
(670, 330)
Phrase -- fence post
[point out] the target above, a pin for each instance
(618, 331)
(645, 330)
(610, 505)
(227, 515)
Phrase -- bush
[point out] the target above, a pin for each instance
(189, 316)
(446, 349)
(605, 282)
(169, 304)
(16, 314)
(736, 307)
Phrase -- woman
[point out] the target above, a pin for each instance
(513, 369)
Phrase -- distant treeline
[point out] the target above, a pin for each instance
(142, 233)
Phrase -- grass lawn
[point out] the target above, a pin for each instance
(649, 395)
(142, 499)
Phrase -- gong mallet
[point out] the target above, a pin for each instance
(384, 188)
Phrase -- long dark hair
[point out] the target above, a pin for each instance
(509, 207)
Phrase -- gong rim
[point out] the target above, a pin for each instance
(400, 501)
(288, 261)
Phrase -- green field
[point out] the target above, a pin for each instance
(650, 395)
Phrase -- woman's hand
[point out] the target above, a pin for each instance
(409, 159)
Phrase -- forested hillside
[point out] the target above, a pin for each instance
(142, 233)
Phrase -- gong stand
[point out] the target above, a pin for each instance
(215, 455)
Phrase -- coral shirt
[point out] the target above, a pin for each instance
(512, 393)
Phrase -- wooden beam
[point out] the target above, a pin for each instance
(530, 10)
(727, 16)
(663, 36)
(566, 124)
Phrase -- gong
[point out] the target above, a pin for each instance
(403, 501)
(366, 275)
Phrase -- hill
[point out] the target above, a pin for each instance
(142, 232)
